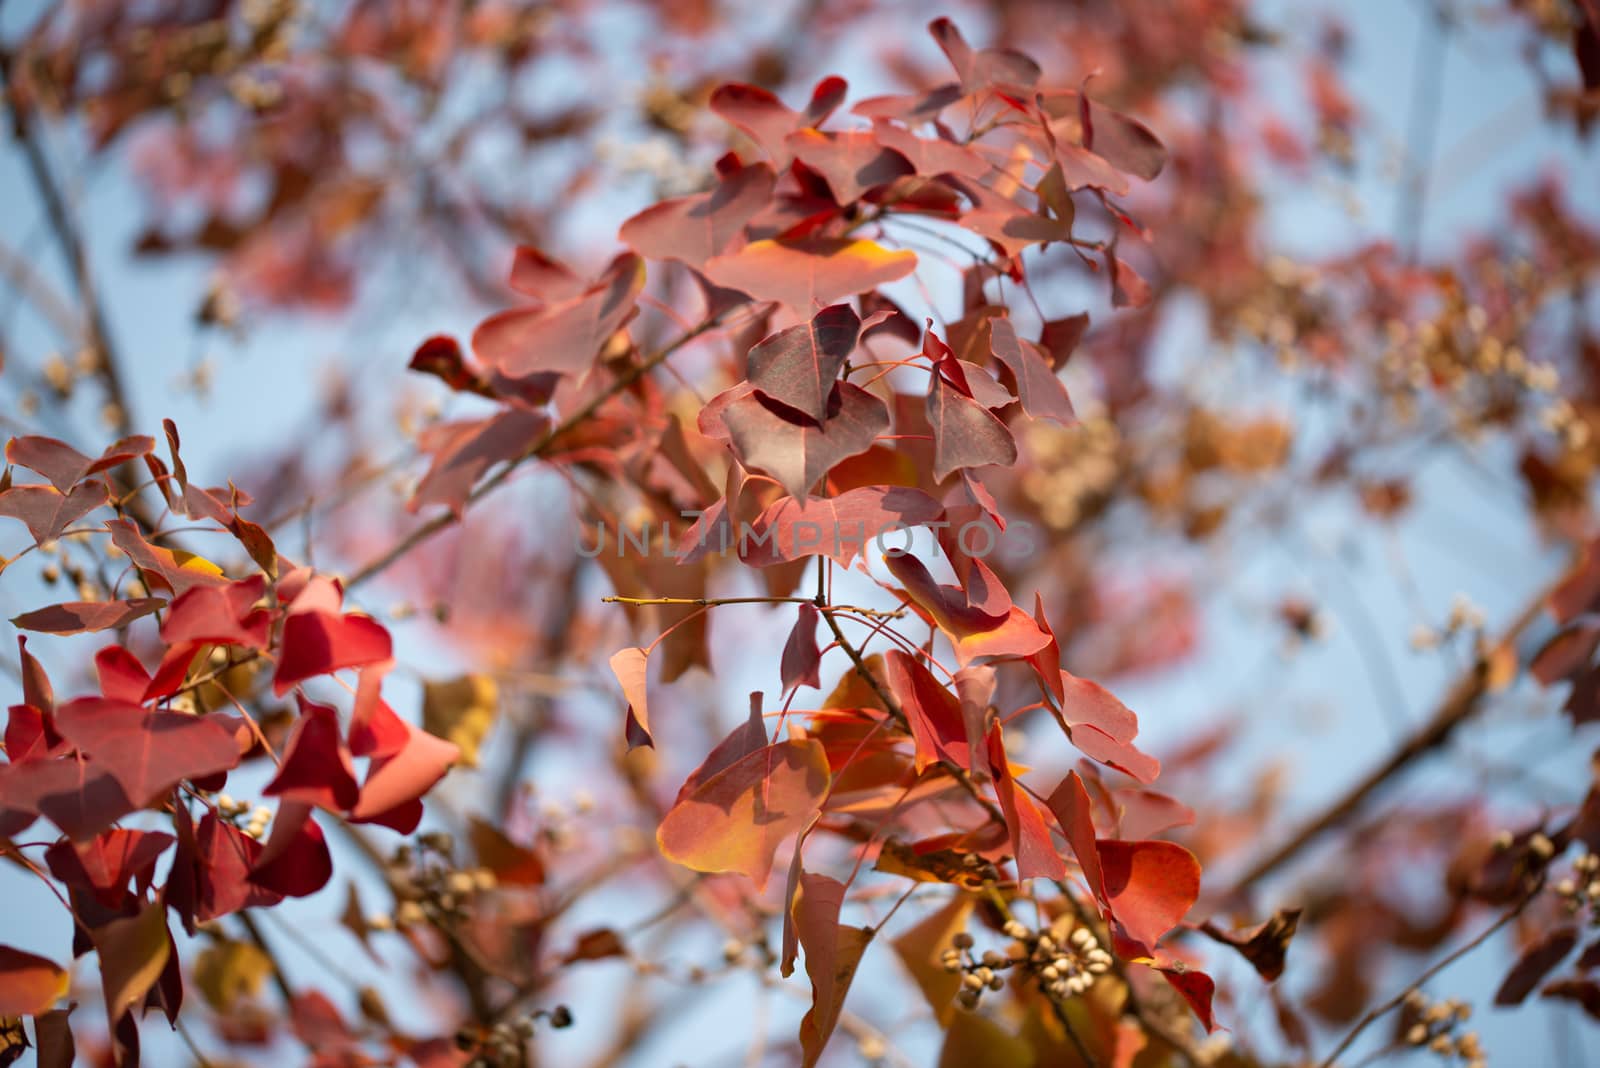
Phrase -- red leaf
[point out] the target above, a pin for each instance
(318, 642)
(973, 631)
(984, 68)
(542, 279)
(395, 784)
(1150, 886)
(296, 861)
(933, 712)
(1040, 391)
(46, 511)
(316, 767)
(695, 228)
(122, 676)
(798, 366)
(163, 568)
(220, 860)
(1197, 989)
(1265, 946)
(441, 356)
(86, 617)
(133, 955)
(839, 527)
(1035, 853)
(147, 751)
(28, 984)
(1103, 728)
(801, 657)
(77, 794)
(735, 820)
(931, 156)
(770, 437)
(219, 615)
(809, 273)
(29, 736)
(561, 338)
(1075, 812)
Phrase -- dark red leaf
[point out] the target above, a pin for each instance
(1534, 963)
(801, 657)
(965, 433)
(799, 366)
(782, 442)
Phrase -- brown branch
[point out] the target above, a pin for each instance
(893, 708)
(1461, 702)
(1378, 1011)
(65, 228)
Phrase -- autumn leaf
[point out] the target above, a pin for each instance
(146, 751)
(29, 984)
(852, 162)
(461, 711)
(801, 657)
(65, 466)
(632, 669)
(227, 971)
(809, 273)
(798, 366)
(832, 953)
(46, 511)
(770, 437)
(735, 820)
(86, 617)
(965, 433)
(1150, 886)
(921, 949)
(695, 228)
(1265, 946)
(133, 954)
(562, 338)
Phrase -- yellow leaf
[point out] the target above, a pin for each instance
(228, 971)
(188, 561)
(461, 711)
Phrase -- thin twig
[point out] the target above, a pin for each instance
(1461, 702)
(1377, 1012)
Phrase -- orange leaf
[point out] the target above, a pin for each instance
(734, 821)
(810, 273)
(28, 984)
